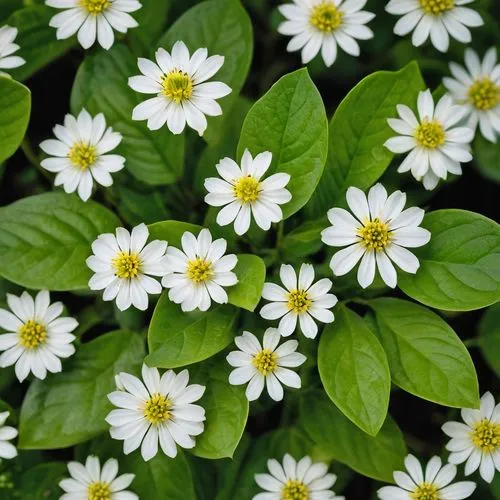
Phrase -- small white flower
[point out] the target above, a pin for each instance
(435, 147)
(245, 194)
(477, 441)
(197, 274)
(321, 25)
(90, 482)
(7, 48)
(79, 155)
(160, 410)
(265, 364)
(377, 235)
(438, 19)
(7, 450)
(37, 337)
(183, 94)
(301, 300)
(93, 19)
(433, 484)
(477, 88)
(296, 480)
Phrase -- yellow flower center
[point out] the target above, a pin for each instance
(127, 265)
(82, 155)
(375, 235)
(298, 301)
(199, 270)
(32, 334)
(484, 94)
(246, 189)
(177, 86)
(158, 409)
(486, 436)
(265, 361)
(437, 7)
(99, 491)
(294, 490)
(430, 134)
(425, 491)
(326, 17)
(95, 6)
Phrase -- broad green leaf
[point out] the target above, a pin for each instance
(172, 231)
(487, 157)
(354, 370)
(356, 152)
(45, 240)
(137, 206)
(153, 157)
(7, 7)
(304, 240)
(42, 481)
(425, 355)
(376, 457)
(290, 121)
(69, 408)
(460, 266)
(489, 337)
(15, 108)
(152, 18)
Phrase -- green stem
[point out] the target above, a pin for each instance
(474, 342)
(33, 159)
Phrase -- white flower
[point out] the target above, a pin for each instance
(322, 25)
(245, 194)
(301, 300)
(436, 148)
(79, 155)
(296, 480)
(37, 337)
(434, 483)
(7, 48)
(438, 18)
(377, 235)
(477, 441)
(158, 410)
(90, 482)
(7, 450)
(122, 264)
(477, 88)
(197, 274)
(265, 364)
(182, 91)
(93, 19)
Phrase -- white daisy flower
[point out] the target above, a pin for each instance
(158, 410)
(7, 450)
(433, 484)
(245, 194)
(438, 19)
(183, 94)
(79, 154)
(436, 148)
(265, 364)
(476, 441)
(301, 301)
(93, 19)
(321, 25)
(7, 48)
(376, 235)
(93, 483)
(37, 337)
(123, 266)
(294, 480)
(197, 274)
(477, 88)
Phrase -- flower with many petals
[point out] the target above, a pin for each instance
(7, 48)
(7, 450)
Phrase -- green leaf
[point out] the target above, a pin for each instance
(354, 370)
(151, 17)
(304, 240)
(356, 152)
(42, 481)
(460, 266)
(153, 157)
(45, 240)
(69, 408)
(425, 355)
(177, 339)
(15, 108)
(376, 457)
(290, 121)
(489, 337)
(487, 158)
(136, 207)
(172, 231)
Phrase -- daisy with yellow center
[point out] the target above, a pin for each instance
(300, 301)
(156, 411)
(7, 48)
(265, 365)
(7, 450)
